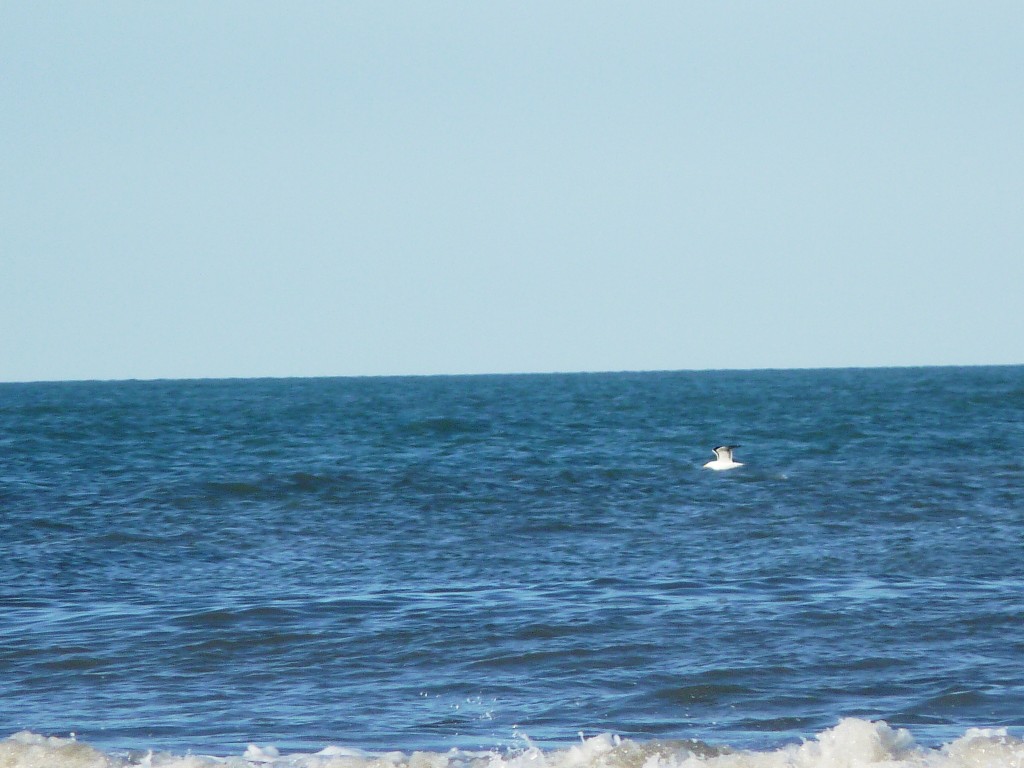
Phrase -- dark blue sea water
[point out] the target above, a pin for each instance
(501, 563)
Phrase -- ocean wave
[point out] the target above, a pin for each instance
(852, 743)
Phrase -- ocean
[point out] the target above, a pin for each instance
(515, 571)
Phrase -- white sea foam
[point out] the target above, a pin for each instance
(850, 744)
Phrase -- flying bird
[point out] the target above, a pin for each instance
(723, 458)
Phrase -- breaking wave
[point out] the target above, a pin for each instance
(852, 743)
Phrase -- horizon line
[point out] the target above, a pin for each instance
(483, 374)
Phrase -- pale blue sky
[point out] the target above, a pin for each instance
(207, 189)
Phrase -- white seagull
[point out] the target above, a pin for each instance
(723, 458)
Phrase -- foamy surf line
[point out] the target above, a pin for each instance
(851, 744)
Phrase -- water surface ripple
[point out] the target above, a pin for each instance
(426, 563)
